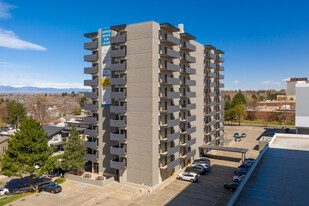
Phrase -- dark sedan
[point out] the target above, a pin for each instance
(231, 186)
(52, 188)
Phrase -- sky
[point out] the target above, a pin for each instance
(265, 41)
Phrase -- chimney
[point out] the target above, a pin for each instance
(180, 26)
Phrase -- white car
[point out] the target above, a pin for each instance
(4, 191)
(206, 166)
(238, 178)
(188, 176)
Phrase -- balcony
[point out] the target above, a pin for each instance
(191, 118)
(91, 82)
(91, 45)
(118, 109)
(91, 58)
(212, 84)
(118, 81)
(221, 76)
(212, 104)
(170, 81)
(221, 85)
(212, 113)
(118, 137)
(212, 132)
(221, 120)
(173, 95)
(191, 94)
(92, 145)
(91, 70)
(190, 82)
(212, 123)
(120, 38)
(171, 151)
(191, 142)
(91, 107)
(91, 132)
(116, 150)
(219, 59)
(169, 53)
(211, 65)
(171, 165)
(190, 154)
(187, 46)
(171, 67)
(222, 102)
(191, 130)
(118, 123)
(92, 157)
(212, 94)
(221, 94)
(188, 58)
(118, 95)
(118, 53)
(221, 111)
(90, 120)
(91, 95)
(191, 106)
(212, 75)
(221, 128)
(221, 68)
(173, 122)
(190, 70)
(210, 55)
(172, 109)
(170, 39)
(116, 164)
(172, 137)
(118, 67)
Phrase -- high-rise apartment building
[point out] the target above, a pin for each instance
(156, 97)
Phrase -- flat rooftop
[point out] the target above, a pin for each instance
(281, 177)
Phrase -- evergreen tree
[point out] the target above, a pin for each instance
(238, 99)
(27, 149)
(16, 113)
(74, 153)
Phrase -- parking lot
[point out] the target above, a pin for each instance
(208, 191)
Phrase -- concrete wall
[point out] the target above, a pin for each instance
(142, 103)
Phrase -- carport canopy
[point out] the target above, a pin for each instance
(243, 151)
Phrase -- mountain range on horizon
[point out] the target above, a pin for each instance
(4, 89)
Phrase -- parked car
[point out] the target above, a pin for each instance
(195, 169)
(238, 178)
(231, 186)
(237, 139)
(202, 160)
(204, 166)
(248, 162)
(236, 134)
(241, 170)
(188, 176)
(52, 188)
(243, 135)
(4, 191)
(249, 159)
(247, 166)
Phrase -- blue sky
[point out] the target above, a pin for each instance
(265, 42)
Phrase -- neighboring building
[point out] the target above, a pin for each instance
(156, 97)
(302, 109)
(291, 84)
(3, 144)
(279, 176)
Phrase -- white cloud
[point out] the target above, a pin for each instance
(235, 82)
(270, 83)
(10, 40)
(286, 79)
(5, 10)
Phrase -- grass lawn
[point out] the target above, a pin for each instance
(12, 198)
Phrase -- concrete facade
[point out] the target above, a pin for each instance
(166, 101)
(291, 85)
(302, 110)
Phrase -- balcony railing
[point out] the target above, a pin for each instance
(91, 132)
(118, 123)
(91, 95)
(92, 145)
(120, 38)
(91, 58)
(118, 109)
(91, 45)
(90, 120)
(118, 67)
(171, 165)
(171, 151)
(116, 164)
(169, 53)
(118, 81)
(191, 130)
(119, 52)
(172, 109)
(116, 150)
(92, 157)
(118, 137)
(91, 107)
(191, 142)
(118, 95)
(170, 39)
(91, 70)
(91, 82)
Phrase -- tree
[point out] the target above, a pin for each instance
(254, 96)
(82, 102)
(74, 157)
(16, 113)
(238, 99)
(261, 98)
(240, 112)
(28, 149)
(39, 106)
(229, 115)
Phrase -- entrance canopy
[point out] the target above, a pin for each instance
(227, 149)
